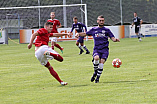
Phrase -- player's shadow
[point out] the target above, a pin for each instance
(73, 86)
(130, 82)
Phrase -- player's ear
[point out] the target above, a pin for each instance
(97, 21)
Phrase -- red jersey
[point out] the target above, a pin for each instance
(43, 37)
(55, 24)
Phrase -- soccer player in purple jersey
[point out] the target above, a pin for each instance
(78, 26)
(101, 50)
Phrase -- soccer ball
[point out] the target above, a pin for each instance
(116, 63)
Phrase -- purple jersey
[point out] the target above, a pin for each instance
(78, 27)
(100, 36)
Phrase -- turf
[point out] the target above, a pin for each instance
(24, 81)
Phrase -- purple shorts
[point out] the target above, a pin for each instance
(103, 54)
(80, 39)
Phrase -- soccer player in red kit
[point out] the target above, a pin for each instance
(56, 25)
(43, 52)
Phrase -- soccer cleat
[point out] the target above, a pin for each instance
(140, 39)
(64, 83)
(143, 35)
(92, 79)
(62, 50)
(81, 51)
(87, 52)
(96, 81)
(47, 54)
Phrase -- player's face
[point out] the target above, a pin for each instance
(101, 21)
(49, 28)
(52, 16)
(75, 20)
(135, 15)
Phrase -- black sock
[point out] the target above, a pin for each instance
(85, 48)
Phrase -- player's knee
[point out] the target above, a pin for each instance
(48, 65)
(77, 44)
(96, 57)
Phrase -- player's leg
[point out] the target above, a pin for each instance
(39, 54)
(79, 46)
(54, 74)
(58, 46)
(54, 54)
(103, 57)
(85, 48)
(137, 33)
(100, 69)
(54, 43)
(95, 65)
(51, 53)
(140, 34)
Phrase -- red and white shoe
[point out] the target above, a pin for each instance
(47, 54)
(64, 83)
(62, 50)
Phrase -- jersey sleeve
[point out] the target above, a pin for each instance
(139, 19)
(49, 20)
(51, 34)
(42, 31)
(58, 23)
(72, 28)
(90, 32)
(110, 34)
(84, 26)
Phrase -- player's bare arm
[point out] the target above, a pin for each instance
(80, 34)
(132, 25)
(32, 39)
(59, 34)
(115, 39)
(59, 26)
(141, 22)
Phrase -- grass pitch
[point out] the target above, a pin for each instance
(24, 81)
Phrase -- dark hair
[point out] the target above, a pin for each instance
(75, 17)
(101, 16)
(48, 23)
(135, 12)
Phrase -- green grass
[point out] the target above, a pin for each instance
(24, 81)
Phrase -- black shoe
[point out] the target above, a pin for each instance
(92, 59)
(97, 81)
(81, 52)
(92, 79)
(142, 35)
(87, 52)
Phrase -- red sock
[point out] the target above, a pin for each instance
(52, 72)
(55, 75)
(58, 46)
(57, 57)
(52, 47)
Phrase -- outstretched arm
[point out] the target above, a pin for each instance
(141, 22)
(59, 26)
(132, 25)
(59, 34)
(115, 39)
(32, 39)
(80, 34)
